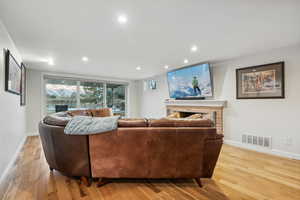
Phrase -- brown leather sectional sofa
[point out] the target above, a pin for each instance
(139, 148)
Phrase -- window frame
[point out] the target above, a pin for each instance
(126, 97)
(79, 79)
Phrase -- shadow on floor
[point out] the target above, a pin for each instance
(184, 187)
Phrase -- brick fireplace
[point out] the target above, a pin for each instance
(211, 108)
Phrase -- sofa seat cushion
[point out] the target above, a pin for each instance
(132, 122)
(180, 122)
(57, 119)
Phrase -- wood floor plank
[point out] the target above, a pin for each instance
(240, 174)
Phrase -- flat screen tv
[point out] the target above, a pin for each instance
(191, 82)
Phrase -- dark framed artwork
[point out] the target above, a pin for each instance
(260, 82)
(23, 85)
(12, 74)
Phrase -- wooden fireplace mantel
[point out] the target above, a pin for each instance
(213, 103)
(199, 106)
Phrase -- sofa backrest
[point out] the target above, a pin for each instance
(66, 153)
(80, 113)
(133, 122)
(155, 152)
(168, 122)
(165, 122)
(57, 119)
(62, 118)
(103, 112)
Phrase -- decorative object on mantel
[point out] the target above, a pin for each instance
(260, 82)
(12, 74)
(212, 108)
(23, 85)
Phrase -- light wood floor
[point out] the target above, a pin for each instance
(240, 174)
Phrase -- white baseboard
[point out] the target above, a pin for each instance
(263, 150)
(12, 160)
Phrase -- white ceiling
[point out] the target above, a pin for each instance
(158, 32)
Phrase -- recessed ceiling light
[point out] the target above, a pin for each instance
(50, 61)
(166, 66)
(122, 19)
(185, 61)
(85, 59)
(138, 68)
(194, 48)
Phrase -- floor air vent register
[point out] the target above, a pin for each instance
(262, 141)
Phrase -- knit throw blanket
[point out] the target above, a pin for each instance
(85, 125)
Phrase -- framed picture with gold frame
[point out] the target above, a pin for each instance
(260, 82)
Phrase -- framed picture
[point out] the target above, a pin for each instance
(12, 74)
(260, 82)
(23, 85)
(152, 84)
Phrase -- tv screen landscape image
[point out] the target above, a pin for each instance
(190, 82)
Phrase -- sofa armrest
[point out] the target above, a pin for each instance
(212, 148)
(66, 153)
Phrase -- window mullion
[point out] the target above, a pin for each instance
(78, 95)
(104, 95)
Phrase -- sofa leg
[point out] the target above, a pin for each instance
(86, 181)
(198, 182)
(102, 182)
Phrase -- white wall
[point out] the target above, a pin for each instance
(35, 100)
(278, 118)
(151, 101)
(12, 115)
(133, 100)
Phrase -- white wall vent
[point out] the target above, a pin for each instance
(263, 141)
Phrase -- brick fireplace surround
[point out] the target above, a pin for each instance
(213, 108)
